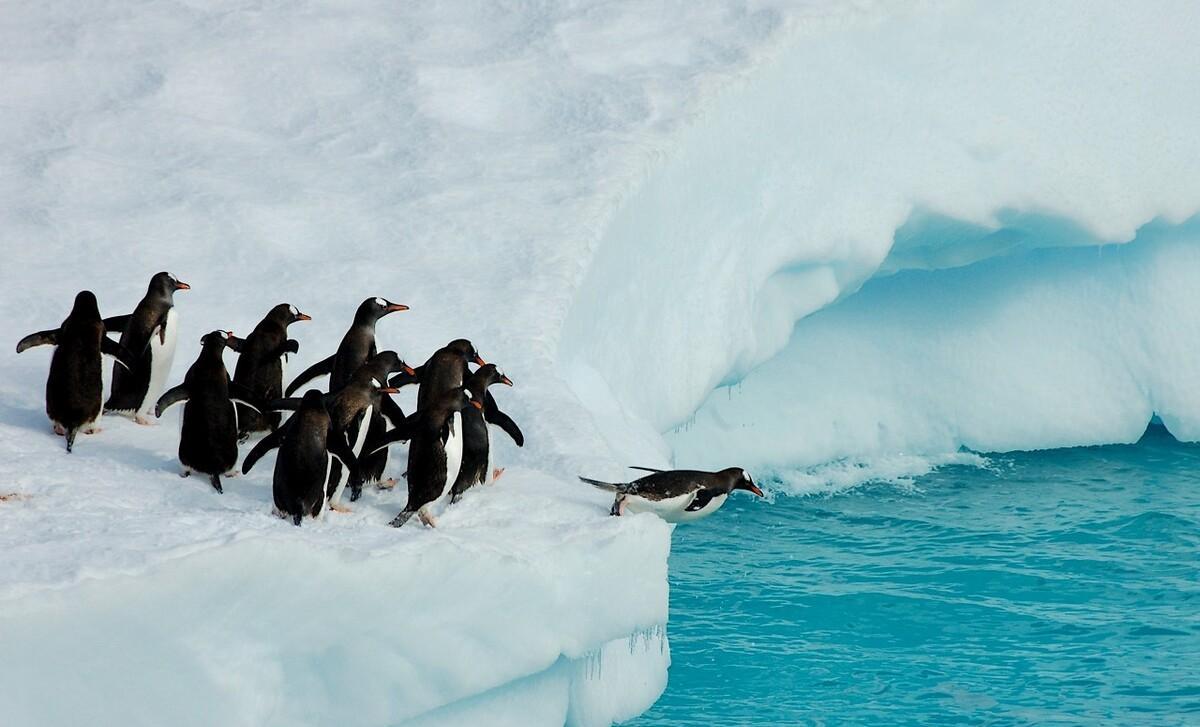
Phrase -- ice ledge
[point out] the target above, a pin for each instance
(340, 622)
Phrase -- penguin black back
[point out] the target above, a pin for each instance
(74, 386)
(477, 440)
(260, 365)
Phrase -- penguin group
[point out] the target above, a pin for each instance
(330, 441)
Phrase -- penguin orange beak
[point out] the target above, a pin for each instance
(180, 285)
(479, 360)
(396, 307)
(505, 380)
(477, 404)
(409, 370)
(303, 317)
(389, 390)
(755, 490)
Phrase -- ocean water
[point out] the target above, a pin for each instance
(1050, 588)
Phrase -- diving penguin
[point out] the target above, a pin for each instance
(477, 439)
(434, 453)
(75, 385)
(260, 365)
(677, 495)
(149, 333)
(307, 444)
(208, 439)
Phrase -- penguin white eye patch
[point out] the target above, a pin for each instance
(380, 302)
(295, 311)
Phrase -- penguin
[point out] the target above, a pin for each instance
(677, 495)
(446, 369)
(208, 439)
(260, 365)
(357, 346)
(75, 385)
(434, 452)
(352, 409)
(373, 463)
(149, 333)
(307, 444)
(477, 439)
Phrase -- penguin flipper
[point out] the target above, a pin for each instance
(700, 501)
(117, 351)
(391, 410)
(320, 368)
(173, 396)
(404, 378)
(117, 324)
(41, 338)
(235, 343)
(266, 444)
(335, 442)
(289, 346)
(493, 415)
(644, 469)
(401, 432)
(289, 404)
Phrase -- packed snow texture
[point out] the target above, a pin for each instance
(920, 141)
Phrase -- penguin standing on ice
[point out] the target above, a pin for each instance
(477, 439)
(75, 385)
(208, 439)
(307, 444)
(446, 369)
(434, 452)
(260, 365)
(356, 347)
(149, 333)
(351, 410)
(677, 495)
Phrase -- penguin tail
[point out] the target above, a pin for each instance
(71, 439)
(216, 483)
(297, 518)
(609, 486)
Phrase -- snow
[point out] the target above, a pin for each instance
(628, 206)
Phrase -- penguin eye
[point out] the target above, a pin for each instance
(380, 302)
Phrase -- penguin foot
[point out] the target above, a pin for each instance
(618, 508)
(339, 507)
(93, 429)
(144, 420)
(185, 473)
(426, 518)
(388, 484)
(231, 473)
(59, 429)
(496, 473)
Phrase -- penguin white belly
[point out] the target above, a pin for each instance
(673, 509)
(487, 473)
(162, 353)
(325, 500)
(453, 454)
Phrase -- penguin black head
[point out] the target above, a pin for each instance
(86, 306)
(372, 309)
(389, 362)
(164, 285)
(466, 349)
(485, 376)
(458, 399)
(739, 480)
(312, 399)
(286, 314)
(217, 339)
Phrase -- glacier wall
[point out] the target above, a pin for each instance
(911, 141)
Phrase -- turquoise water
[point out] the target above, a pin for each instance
(1058, 587)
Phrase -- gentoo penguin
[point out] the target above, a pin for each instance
(75, 385)
(307, 444)
(260, 365)
(149, 333)
(434, 452)
(357, 346)
(446, 369)
(477, 439)
(677, 495)
(351, 409)
(208, 439)
(373, 463)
